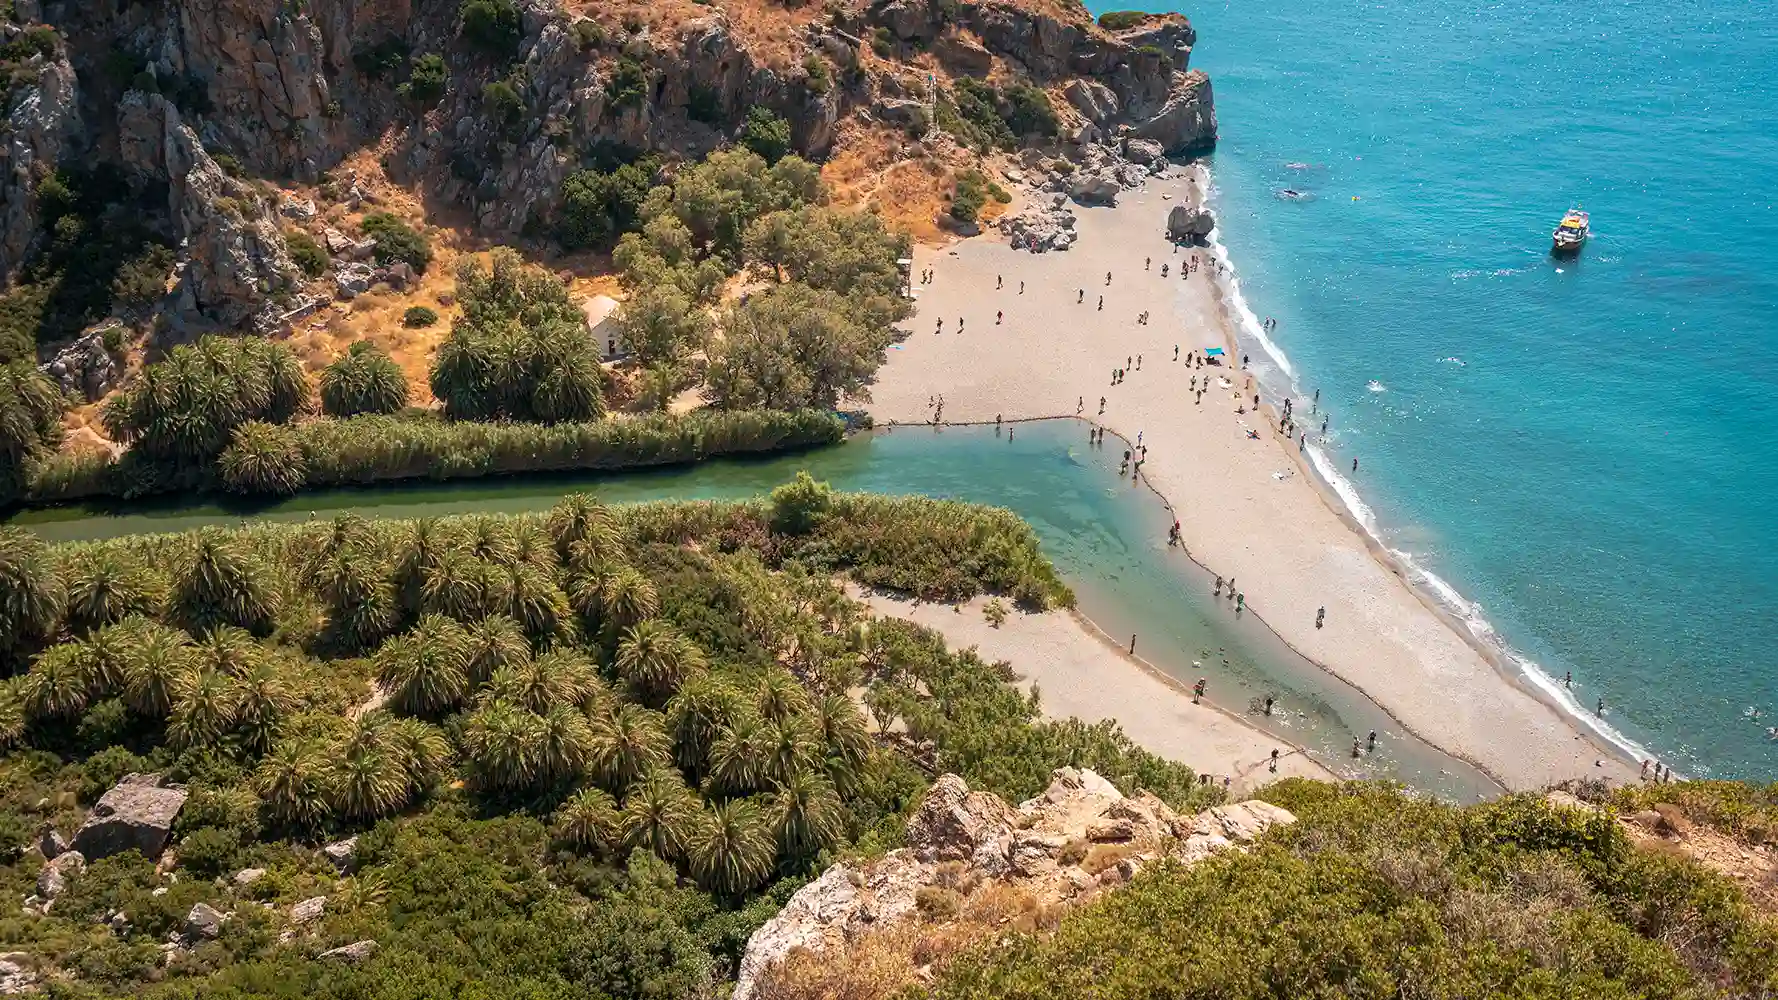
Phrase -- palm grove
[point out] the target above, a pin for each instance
(820, 297)
(645, 709)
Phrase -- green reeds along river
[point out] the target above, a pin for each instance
(1107, 537)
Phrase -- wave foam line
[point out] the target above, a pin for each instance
(1443, 593)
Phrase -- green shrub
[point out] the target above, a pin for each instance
(306, 252)
(1118, 20)
(766, 133)
(628, 86)
(263, 458)
(418, 316)
(491, 25)
(818, 78)
(588, 35)
(1028, 110)
(502, 104)
(426, 80)
(385, 58)
(364, 380)
(37, 40)
(968, 196)
(597, 207)
(704, 104)
(397, 241)
(882, 42)
(142, 280)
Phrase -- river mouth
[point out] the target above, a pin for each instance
(1107, 537)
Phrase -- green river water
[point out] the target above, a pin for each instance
(1108, 538)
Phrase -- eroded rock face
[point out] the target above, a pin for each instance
(233, 258)
(42, 125)
(135, 814)
(1188, 224)
(1045, 846)
(85, 369)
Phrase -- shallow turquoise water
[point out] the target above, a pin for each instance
(1583, 449)
(1106, 536)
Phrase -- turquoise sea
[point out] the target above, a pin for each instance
(1583, 451)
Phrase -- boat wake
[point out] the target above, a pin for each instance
(1279, 377)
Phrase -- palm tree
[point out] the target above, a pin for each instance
(292, 783)
(588, 819)
(494, 642)
(30, 421)
(108, 654)
(366, 782)
(790, 747)
(491, 539)
(627, 743)
(533, 546)
(656, 659)
(346, 572)
(539, 606)
(732, 849)
(13, 719)
(452, 587)
(567, 743)
(845, 742)
(619, 599)
(425, 545)
(162, 657)
(661, 815)
(579, 519)
(106, 586)
(60, 684)
(218, 584)
(780, 696)
(263, 459)
(206, 704)
(696, 716)
(263, 701)
(738, 758)
(228, 650)
(363, 380)
(31, 592)
(539, 685)
(806, 815)
(503, 743)
(424, 751)
(426, 671)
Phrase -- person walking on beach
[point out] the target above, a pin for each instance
(1080, 296)
(1138, 362)
(1373, 741)
(1274, 761)
(1269, 700)
(1323, 426)
(1355, 751)
(1198, 692)
(1163, 270)
(999, 282)
(1321, 617)
(1101, 303)
(997, 317)
(1175, 352)
(1108, 279)
(1021, 288)
(1145, 262)
(1101, 408)
(1568, 679)
(996, 423)
(941, 325)
(1079, 406)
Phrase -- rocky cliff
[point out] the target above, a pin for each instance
(1079, 837)
(491, 121)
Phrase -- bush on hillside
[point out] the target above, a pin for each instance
(306, 252)
(491, 25)
(766, 133)
(397, 241)
(1118, 20)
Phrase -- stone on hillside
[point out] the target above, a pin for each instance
(350, 954)
(135, 814)
(309, 910)
(85, 368)
(1144, 151)
(51, 843)
(1095, 187)
(1242, 821)
(353, 279)
(301, 209)
(56, 873)
(247, 876)
(14, 976)
(343, 854)
(204, 921)
(953, 821)
(1094, 100)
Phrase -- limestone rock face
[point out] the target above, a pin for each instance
(85, 369)
(136, 813)
(41, 125)
(1094, 100)
(1186, 120)
(204, 922)
(1189, 224)
(1039, 847)
(233, 257)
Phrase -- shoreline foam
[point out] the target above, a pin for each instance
(1467, 616)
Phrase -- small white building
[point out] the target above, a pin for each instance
(602, 325)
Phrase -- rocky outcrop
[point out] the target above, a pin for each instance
(58, 871)
(350, 954)
(1041, 228)
(232, 257)
(343, 855)
(42, 125)
(1189, 225)
(1080, 836)
(1186, 120)
(86, 369)
(136, 814)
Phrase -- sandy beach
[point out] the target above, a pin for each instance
(1246, 505)
(1080, 674)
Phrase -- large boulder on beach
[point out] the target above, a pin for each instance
(1095, 187)
(1189, 225)
(1040, 229)
(136, 814)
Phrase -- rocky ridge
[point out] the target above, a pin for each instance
(1078, 838)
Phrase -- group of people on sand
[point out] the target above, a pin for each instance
(1656, 773)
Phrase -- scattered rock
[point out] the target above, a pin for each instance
(247, 876)
(118, 921)
(1095, 187)
(135, 814)
(397, 275)
(15, 977)
(1094, 100)
(351, 954)
(51, 843)
(301, 209)
(353, 279)
(56, 873)
(309, 910)
(1144, 151)
(205, 922)
(952, 820)
(343, 854)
